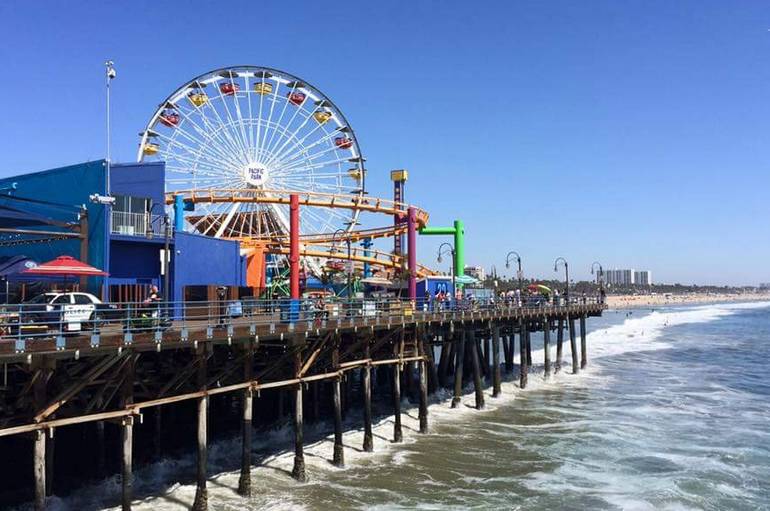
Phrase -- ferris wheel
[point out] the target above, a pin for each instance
(255, 131)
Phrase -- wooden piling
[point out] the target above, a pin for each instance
(429, 352)
(583, 347)
(367, 390)
(546, 346)
(127, 476)
(573, 345)
(201, 502)
(445, 363)
(338, 458)
(523, 363)
(496, 376)
(529, 346)
(423, 369)
(39, 387)
(298, 472)
(398, 435)
(479, 391)
(488, 357)
(39, 468)
(507, 353)
(460, 357)
(127, 431)
(244, 481)
(100, 449)
(559, 344)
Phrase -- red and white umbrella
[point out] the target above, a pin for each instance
(65, 266)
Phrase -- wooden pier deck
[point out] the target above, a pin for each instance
(116, 375)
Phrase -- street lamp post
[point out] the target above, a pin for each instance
(166, 250)
(566, 275)
(519, 274)
(451, 252)
(600, 277)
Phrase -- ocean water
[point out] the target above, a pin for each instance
(672, 413)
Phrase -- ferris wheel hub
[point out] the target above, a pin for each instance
(255, 174)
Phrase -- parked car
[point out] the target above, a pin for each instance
(73, 311)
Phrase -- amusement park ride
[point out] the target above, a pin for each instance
(239, 141)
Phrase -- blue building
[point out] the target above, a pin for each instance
(126, 239)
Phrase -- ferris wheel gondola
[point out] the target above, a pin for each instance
(258, 130)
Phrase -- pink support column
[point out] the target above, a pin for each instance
(294, 246)
(411, 241)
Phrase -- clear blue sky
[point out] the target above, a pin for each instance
(630, 132)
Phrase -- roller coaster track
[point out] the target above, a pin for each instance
(315, 199)
(324, 245)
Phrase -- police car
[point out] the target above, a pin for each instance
(69, 311)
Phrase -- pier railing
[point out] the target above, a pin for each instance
(29, 322)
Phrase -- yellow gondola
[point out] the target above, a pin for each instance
(150, 148)
(198, 98)
(263, 88)
(355, 173)
(322, 117)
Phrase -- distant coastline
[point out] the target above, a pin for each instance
(660, 300)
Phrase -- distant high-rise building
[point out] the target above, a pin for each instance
(643, 278)
(477, 272)
(629, 277)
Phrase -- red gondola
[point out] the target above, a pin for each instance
(296, 97)
(343, 142)
(229, 88)
(169, 118)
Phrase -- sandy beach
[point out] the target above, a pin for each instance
(628, 301)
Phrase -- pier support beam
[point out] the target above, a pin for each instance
(479, 391)
(201, 502)
(529, 347)
(459, 358)
(496, 376)
(39, 469)
(244, 481)
(127, 431)
(367, 391)
(298, 472)
(523, 362)
(583, 347)
(559, 344)
(444, 362)
(423, 368)
(546, 346)
(507, 353)
(398, 435)
(338, 459)
(573, 345)
(127, 476)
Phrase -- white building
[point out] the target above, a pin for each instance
(477, 272)
(643, 278)
(629, 277)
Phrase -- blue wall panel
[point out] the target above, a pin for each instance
(140, 180)
(202, 261)
(69, 186)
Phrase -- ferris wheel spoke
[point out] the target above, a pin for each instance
(300, 108)
(236, 148)
(297, 143)
(305, 151)
(280, 118)
(269, 119)
(209, 131)
(202, 152)
(310, 161)
(233, 123)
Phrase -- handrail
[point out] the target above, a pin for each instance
(29, 322)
